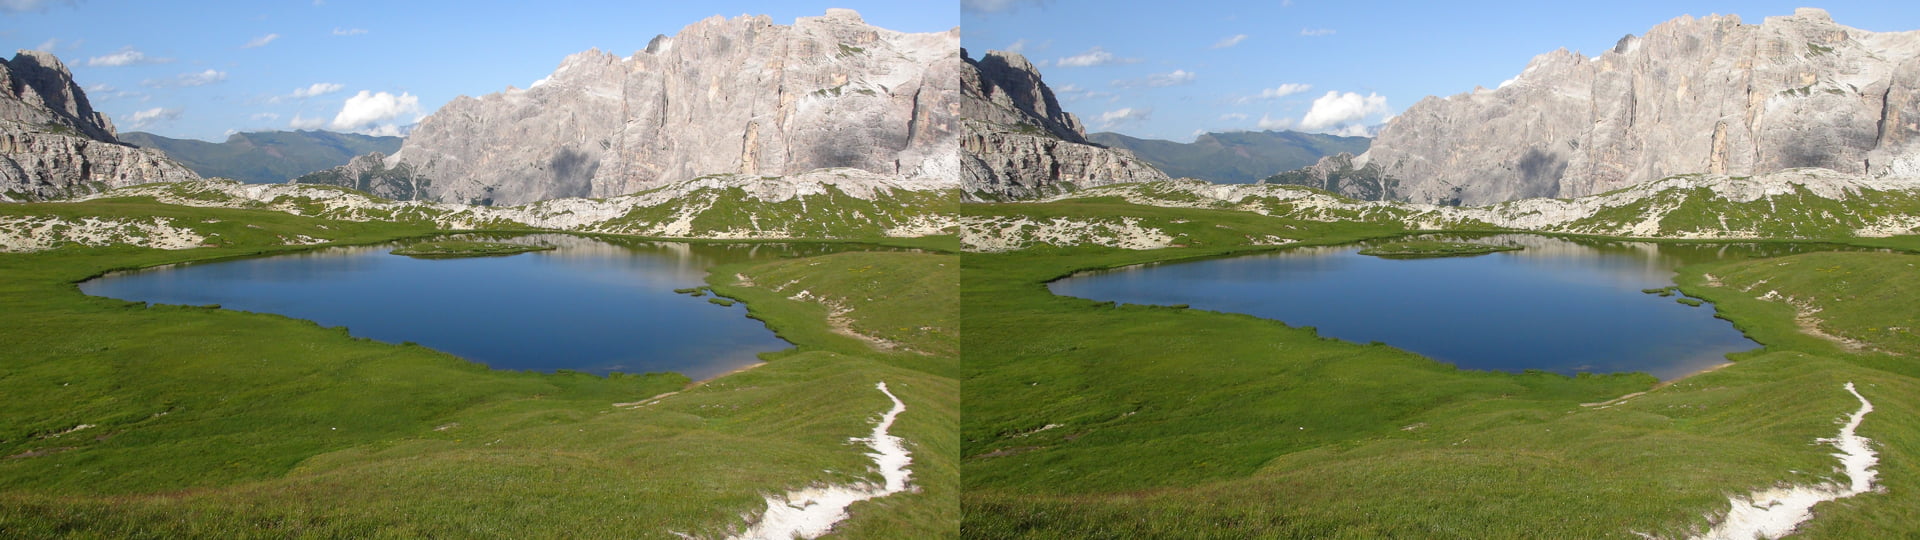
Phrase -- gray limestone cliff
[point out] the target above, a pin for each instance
(723, 96)
(1019, 143)
(53, 144)
(1694, 95)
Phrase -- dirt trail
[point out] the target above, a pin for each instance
(812, 512)
(1774, 513)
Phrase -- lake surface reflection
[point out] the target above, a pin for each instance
(1560, 305)
(591, 305)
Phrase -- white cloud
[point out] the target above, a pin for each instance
(1284, 90)
(1230, 41)
(48, 45)
(1269, 122)
(1343, 109)
(388, 130)
(1232, 117)
(149, 117)
(369, 112)
(317, 89)
(543, 80)
(348, 31)
(261, 41)
(187, 79)
(1125, 115)
(1506, 83)
(1353, 130)
(125, 57)
(1316, 32)
(1158, 80)
(1276, 92)
(265, 116)
(993, 6)
(1094, 57)
(1017, 46)
(300, 122)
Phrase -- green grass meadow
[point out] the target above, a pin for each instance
(1089, 420)
(203, 422)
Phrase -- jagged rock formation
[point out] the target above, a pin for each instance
(265, 156)
(739, 95)
(1694, 95)
(1337, 173)
(1019, 143)
(1234, 157)
(373, 174)
(53, 144)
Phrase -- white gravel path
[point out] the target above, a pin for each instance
(812, 512)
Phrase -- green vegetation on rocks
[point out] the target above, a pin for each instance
(1422, 249)
(453, 249)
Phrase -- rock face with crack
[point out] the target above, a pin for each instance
(1694, 95)
(1019, 143)
(53, 144)
(724, 96)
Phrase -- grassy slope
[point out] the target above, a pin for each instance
(211, 422)
(908, 297)
(1188, 423)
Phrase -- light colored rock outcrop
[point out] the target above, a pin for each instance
(819, 204)
(53, 144)
(1019, 143)
(1694, 95)
(724, 96)
(1792, 203)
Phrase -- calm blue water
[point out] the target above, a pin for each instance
(1558, 305)
(588, 306)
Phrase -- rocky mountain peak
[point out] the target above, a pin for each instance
(1019, 143)
(1008, 83)
(40, 90)
(1691, 95)
(53, 144)
(735, 95)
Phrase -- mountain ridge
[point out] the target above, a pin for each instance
(723, 96)
(53, 144)
(1692, 95)
(1018, 141)
(1234, 157)
(265, 156)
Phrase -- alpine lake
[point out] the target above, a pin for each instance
(595, 305)
(1558, 304)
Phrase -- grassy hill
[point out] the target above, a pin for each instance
(265, 156)
(128, 420)
(1089, 420)
(1238, 157)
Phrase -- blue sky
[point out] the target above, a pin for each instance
(1168, 70)
(201, 69)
